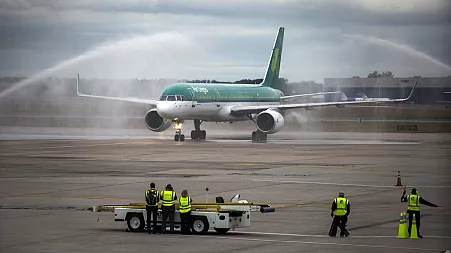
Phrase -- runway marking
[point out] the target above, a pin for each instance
(47, 195)
(80, 146)
(338, 184)
(317, 243)
(325, 236)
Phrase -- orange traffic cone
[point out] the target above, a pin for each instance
(398, 181)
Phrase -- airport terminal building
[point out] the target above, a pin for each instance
(430, 90)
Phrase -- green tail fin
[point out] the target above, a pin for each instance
(272, 72)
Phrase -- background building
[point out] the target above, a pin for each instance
(430, 90)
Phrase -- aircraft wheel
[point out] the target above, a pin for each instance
(259, 137)
(182, 137)
(176, 137)
(194, 135)
(203, 135)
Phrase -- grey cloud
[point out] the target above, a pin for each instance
(231, 32)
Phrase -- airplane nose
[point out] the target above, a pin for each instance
(165, 109)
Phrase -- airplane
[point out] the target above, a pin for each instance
(214, 102)
(364, 97)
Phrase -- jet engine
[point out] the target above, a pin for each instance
(270, 121)
(155, 122)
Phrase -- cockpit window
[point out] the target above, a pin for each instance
(171, 98)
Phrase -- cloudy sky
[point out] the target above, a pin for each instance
(223, 39)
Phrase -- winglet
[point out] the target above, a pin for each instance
(408, 97)
(411, 92)
(78, 86)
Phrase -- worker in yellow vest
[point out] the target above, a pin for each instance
(185, 211)
(413, 207)
(168, 198)
(341, 208)
(152, 199)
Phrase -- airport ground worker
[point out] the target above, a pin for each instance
(152, 199)
(341, 208)
(168, 198)
(185, 211)
(413, 207)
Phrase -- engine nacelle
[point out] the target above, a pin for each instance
(155, 122)
(270, 121)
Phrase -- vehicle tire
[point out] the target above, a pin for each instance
(200, 225)
(176, 137)
(182, 137)
(203, 134)
(193, 135)
(135, 222)
(222, 230)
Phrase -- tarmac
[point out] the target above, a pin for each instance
(51, 176)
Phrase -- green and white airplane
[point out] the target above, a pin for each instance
(211, 102)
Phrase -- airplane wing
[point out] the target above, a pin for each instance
(237, 110)
(127, 99)
(311, 94)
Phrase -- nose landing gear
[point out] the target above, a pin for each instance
(178, 131)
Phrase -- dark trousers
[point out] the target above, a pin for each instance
(339, 221)
(417, 218)
(186, 222)
(152, 211)
(168, 211)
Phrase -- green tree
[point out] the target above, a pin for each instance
(387, 74)
(376, 74)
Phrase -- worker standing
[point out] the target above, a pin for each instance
(168, 198)
(152, 199)
(341, 208)
(413, 207)
(185, 211)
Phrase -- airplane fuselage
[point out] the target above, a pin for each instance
(212, 101)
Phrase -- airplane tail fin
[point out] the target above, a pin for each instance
(272, 72)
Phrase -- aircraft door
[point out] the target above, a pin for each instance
(194, 99)
(217, 98)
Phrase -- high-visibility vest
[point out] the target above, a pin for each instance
(185, 204)
(342, 206)
(413, 202)
(157, 194)
(167, 198)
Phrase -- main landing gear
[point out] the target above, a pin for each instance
(198, 134)
(259, 137)
(178, 131)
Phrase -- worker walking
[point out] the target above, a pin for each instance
(152, 199)
(341, 208)
(168, 198)
(185, 211)
(413, 207)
